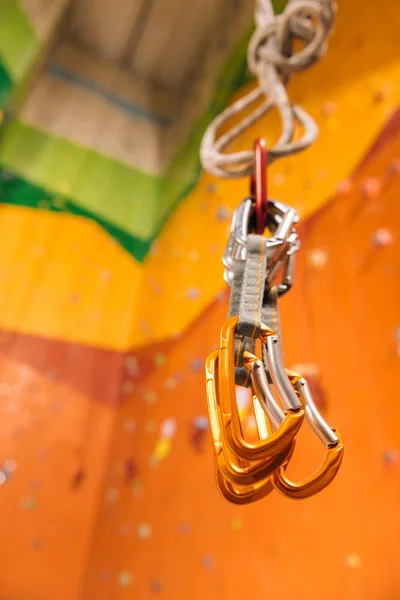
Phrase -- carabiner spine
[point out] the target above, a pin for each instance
(243, 494)
(316, 482)
(325, 433)
(262, 390)
(234, 469)
(280, 439)
(278, 374)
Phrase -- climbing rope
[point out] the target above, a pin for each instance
(272, 59)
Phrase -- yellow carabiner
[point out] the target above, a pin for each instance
(328, 470)
(230, 490)
(239, 494)
(233, 469)
(279, 439)
(243, 494)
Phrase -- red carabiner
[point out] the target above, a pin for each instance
(258, 184)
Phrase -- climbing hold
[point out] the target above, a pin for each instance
(150, 427)
(170, 383)
(397, 338)
(125, 578)
(370, 187)
(184, 528)
(394, 166)
(159, 359)
(278, 179)
(237, 524)
(193, 293)
(383, 93)
(129, 425)
(150, 397)
(162, 450)
(131, 469)
(144, 531)
(9, 467)
(391, 457)
(137, 488)
(124, 529)
(223, 214)
(328, 109)
(155, 586)
(168, 428)
(112, 495)
(193, 255)
(198, 429)
(352, 561)
(197, 365)
(78, 478)
(208, 561)
(381, 238)
(344, 187)
(317, 258)
(131, 364)
(127, 388)
(29, 503)
(37, 544)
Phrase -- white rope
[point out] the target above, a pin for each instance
(271, 60)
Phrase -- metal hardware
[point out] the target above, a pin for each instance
(332, 440)
(261, 264)
(259, 184)
(263, 392)
(282, 437)
(232, 468)
(281, 247)
(236, 246)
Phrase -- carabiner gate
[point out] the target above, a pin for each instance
(258, 184)
(232, 467)
(325, 474)
(287, 430)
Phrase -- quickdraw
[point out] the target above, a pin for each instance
(259, 262)
(248, 471)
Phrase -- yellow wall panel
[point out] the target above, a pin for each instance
(63, 277)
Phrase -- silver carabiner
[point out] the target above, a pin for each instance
(281, 247)
(326, 434)
(236, 246)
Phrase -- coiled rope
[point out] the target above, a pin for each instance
(272, 60)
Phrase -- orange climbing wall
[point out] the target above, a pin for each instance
(169, 530)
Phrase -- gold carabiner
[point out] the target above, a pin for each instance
(239, 494)
(248, 494)
(282, 437)
(328, 470)
(243, 494)
(232, 491)
(232, 468)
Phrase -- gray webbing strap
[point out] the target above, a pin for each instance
(241, 343)
(251, 299)
(269, 311)
(247, 297)
(270, 317)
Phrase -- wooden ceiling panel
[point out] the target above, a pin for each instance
(187, 33)
(105, 26)
(161, 27)
(43, 14)
(157, 39)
